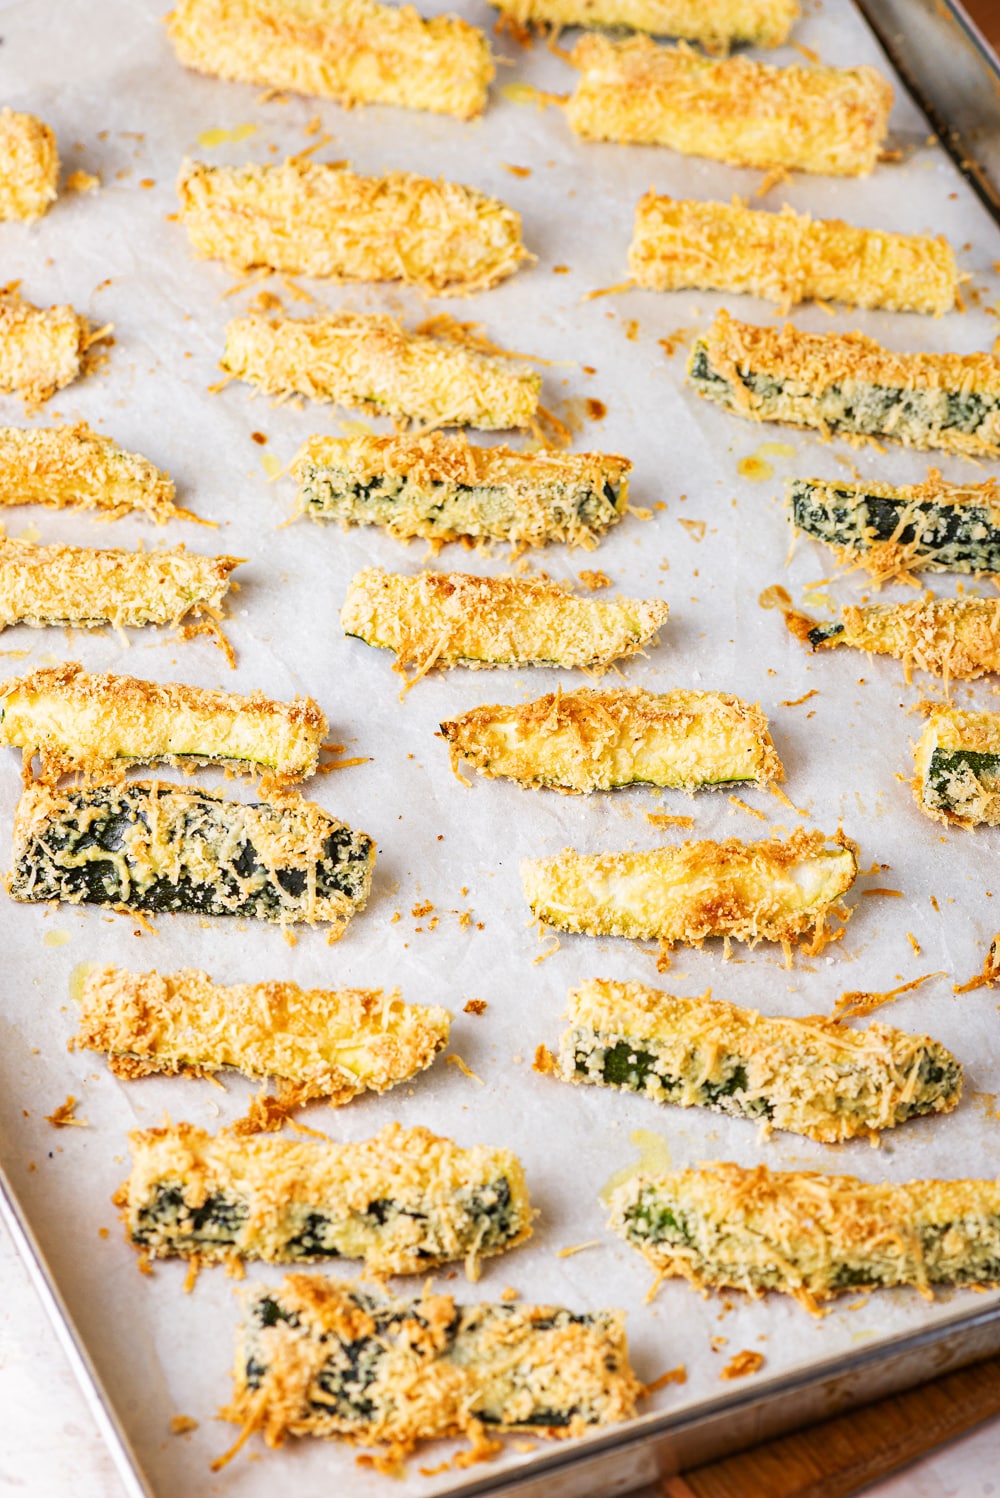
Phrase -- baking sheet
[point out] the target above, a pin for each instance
(105, 78)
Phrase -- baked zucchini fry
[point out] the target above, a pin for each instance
(76, 721)
(957, 638)
(313, 1043)
(598, 741)
(150, 846)
(893, 531)
(810, 1235)
(74, 467)
(846, 384)
(29, 166)
(322, 1357)
(85, 588)
(810, 1076)
(813, 119)
(450, 619)
(353, 51)
(404, 1202)
(772, 890)
(717, 24)
(442, 488)
(370, 361)
(957, 760)
(787, 257)
(41, 349)
(315, 220)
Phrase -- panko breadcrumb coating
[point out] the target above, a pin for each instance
(76, 468)
(716, 24)
(29, 166)
(41, 349)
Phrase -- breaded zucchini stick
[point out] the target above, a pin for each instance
(79, 586)
(74, 467)
(892, 531)
(442, 488)
(846, 384)
(370, 361)
(717, 24)
(316, 220)
(810, 1235)
(812, 119)
(957, 638)
(404, 1202)
(354, 51)
(76, 721)
(787, 257)
(957, 762)
(41, 349)
(773, 890)
(597, 741)
(430, 1368)
(29, 166)
(151, 846)
(455, 619)
(313, 1043)
(810, 1076)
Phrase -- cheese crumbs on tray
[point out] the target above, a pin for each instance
(29, 166)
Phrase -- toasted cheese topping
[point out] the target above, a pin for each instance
(810, 1235)
(75, 585)
(717, 24)
(456, 619)
(787, 257)
(316, 220)
(443, 488)
(596, 741)
(813, 119)
(811, 1076)
(41, 349)
(78, 721)
(353, 51)
(315, 1043)
(29, 166)
(403, 1202)
(370, 361)
(957, 638)
(74, 467)
(957, 761)
(773, 890)
(429, 1368)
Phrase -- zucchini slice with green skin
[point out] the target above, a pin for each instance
(957, 638)
(807, 1234)
(73, 467)
(810, 1076)
(150, 846)
(404, 1202)
(75, 721)
(773, 890)
(313, 1043)
(449, 619)
(442, 488)
(846, 384)
(598, 741)
(957, 762)
(322, 1357)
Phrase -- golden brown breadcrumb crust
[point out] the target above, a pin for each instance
(29, 166)
(74, 467)
(41, 349)
(716, 24)
(956, 638)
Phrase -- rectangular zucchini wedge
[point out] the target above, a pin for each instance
(312, 1043)
(322, 1357)
(716, 24)
(810, 1076)
(787, 257)
(447, 619)
(847, 385)
(443, 488)
(29, 166)
(772, 890)
(353, 51)
(957, 761)
(957, 638)
(76, 721)
(893, 530)
(598, 741)
(810, 119)
(311, 219)
(368, 360)
(404, 1202)
(74, 467)
(86, 588)
(150, 846)
(41, 348)
(810, 1235)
